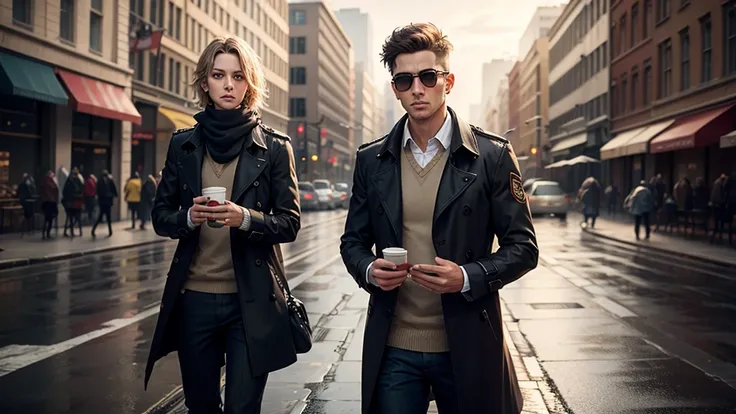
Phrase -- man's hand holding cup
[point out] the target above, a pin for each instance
(391, 271)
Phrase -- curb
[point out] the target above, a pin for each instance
(660, 250)
(13, 263)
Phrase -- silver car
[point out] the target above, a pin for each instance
(548, 197)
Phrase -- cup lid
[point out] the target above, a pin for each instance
(214, 190)
(394, 250)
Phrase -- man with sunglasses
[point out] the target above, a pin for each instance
(441, 189)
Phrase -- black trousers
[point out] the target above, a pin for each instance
(105, 211)
(210, 329)
(638, 220)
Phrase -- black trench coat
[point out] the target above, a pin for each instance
(479, 196)
(265, 183)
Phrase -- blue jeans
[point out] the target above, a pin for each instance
(210, 326)
(404, 381)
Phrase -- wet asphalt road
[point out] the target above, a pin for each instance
(62, 306)
(618, 331)
(627, 331)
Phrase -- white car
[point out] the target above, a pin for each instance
(324, 194)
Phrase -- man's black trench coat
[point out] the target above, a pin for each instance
(479, 196)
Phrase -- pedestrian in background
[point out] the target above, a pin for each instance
(612, 196)
(641, 203)
(107, 191)
(90, 197)
(718, 205)
(436, 324)
(27, 197)
(148, 193)
(49, 202)
(222, 279)
(590, 195)
(133, 196)
(73, 201)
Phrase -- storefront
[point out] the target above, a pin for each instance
(143, 140)
(690, 147)
(27, 90)
(169, 120)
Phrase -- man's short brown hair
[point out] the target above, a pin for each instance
(413, 38)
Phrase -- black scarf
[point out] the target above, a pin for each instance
(224, 131)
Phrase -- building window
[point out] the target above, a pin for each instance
(605, 55)
(612, 38)
(614, 100)
(171, 74)
(622, 98)
(634, 22)
(665, 68)
(646, 18)
(297, 107)
(729, 33)
(622, 34)
(684, 59)
(95, 26)
(298, 76)
(663, 9)
(177, 78)
(23, 11)
(297, 17)
(178, 24)
(170, 28)
(298, 45)
(66, 20)
(157, 12)
(706, 33)
(634, 87)
(647, 87)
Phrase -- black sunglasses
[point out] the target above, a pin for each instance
(428, 77)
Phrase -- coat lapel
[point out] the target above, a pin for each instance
(191, 163)
(455, 177)
(249, 165)
(387, 180)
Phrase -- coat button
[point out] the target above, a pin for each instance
(176, 260)
(380, 210)
(258, 204)
(185, 186)
(258, 262)
(258, 165)
(466, 179)
(466, 210)
(256, 184)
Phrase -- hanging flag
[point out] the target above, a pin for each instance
(146, 39)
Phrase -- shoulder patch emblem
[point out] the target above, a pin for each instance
(517, 188)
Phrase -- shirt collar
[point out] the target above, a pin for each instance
(444, 135)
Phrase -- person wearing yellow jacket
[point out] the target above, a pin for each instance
(133, 195)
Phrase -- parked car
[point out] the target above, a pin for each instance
(342, 193)
(308, 196)
(324, 194)
(548, 197)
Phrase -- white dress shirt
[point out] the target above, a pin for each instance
(442, 139)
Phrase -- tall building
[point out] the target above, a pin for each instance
(365, 106)
(321, 94)
(539, 26)
(491, 74)
(673, 91)
(161, 84)
(534, 107)
(392, 108)
(578, 79)
(359, 28)
(500, 111)
(514, 106)
(65, 91)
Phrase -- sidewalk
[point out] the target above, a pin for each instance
(672, 243)
(30, 248)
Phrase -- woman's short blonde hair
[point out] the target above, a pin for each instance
(256, 92)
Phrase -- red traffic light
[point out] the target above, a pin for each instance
(323, 132)
(300, 129)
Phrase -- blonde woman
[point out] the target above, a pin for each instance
(221, 300)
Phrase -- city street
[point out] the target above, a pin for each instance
(598, 328)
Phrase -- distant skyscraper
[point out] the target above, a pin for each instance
(359, 28)
(539, 25)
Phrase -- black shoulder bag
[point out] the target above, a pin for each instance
(301, 331)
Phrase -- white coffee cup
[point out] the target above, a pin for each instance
(216, 197)
(395, 255)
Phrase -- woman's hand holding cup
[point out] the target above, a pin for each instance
(199, 210)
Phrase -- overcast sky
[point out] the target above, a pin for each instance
(480, 30)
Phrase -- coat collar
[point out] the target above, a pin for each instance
(462, 137)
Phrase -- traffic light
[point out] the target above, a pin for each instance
(315, 157)
(534, 150)
(300, 129)
(323, 132)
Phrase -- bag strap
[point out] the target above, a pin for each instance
(281, 280)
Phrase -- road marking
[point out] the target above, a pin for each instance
(613, 307)
(14, 357)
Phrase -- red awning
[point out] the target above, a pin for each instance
(99, 98)
(699, 130)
